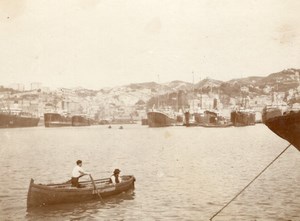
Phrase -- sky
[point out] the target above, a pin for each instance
(103, 43)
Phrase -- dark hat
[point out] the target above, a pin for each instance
(117, 171)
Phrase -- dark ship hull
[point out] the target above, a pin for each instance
(78, 120)
(212, 119)
(56, 120)
(144, 121)
(271, 111)
(242, 118)
(287, 126)
(8, 120)
(159, 119)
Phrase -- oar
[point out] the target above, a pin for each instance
(95, 188)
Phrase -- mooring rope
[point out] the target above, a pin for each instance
(250, 182)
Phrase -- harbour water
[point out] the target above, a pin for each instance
(181, 173)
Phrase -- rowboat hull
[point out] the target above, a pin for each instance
(43, 195)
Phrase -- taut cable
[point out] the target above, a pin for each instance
(250, 182)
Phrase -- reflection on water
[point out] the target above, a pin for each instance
(84, 210)
(182, 173)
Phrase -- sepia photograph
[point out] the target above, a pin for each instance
(150, 110)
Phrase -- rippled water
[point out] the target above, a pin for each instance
(182, 173)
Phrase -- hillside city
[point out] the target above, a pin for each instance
(130, 103)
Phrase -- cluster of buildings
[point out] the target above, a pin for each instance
(119, 103)
(107, 104)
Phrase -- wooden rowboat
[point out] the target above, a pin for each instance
(42, 195)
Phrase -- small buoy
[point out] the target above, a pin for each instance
(121, 127)
(109, 127)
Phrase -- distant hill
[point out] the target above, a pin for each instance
(170, 93)
(151, 92)
(281, 81)
(159, 88)
(146, 85)
(208, 82)
(179, 85)
(245, 81)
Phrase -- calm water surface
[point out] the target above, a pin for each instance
(182, 173)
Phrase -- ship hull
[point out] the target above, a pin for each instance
(56, 120)
(243, 118)
(211, 119)
(269, 113)
(159, 119)
(287, 127)
(78, 121)
(15, 121)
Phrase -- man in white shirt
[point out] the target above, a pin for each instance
(77, 173)
(115, 178)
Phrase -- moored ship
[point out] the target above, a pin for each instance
(271, 111)
(14, 118)
(242, 117)
(57, 120)
(212, 118)
(80, 120)
(243, 114)
(160, 119)
(286, 125)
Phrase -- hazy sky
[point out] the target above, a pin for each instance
(103, 43)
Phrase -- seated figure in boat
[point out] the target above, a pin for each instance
(77, 172)
(115, 178)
